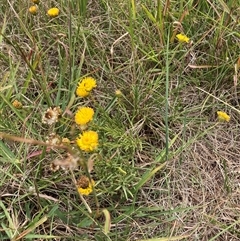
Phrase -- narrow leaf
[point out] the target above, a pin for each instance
(148, 175)
(107, 224)
(166, 238)
(30, 229)
(150, 16)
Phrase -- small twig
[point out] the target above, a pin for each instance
(33, 142)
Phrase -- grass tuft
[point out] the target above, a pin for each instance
(152, 160)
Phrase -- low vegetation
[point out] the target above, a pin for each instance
(119, 120)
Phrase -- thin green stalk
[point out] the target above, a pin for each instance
(82, 5)
(133, 7)
(160, 21)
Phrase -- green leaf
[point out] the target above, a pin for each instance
(148, 175)
(150, 16)
(107, 223)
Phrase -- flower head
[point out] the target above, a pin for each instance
(222, 116)
(85, 86)
(51, 115)
(17, 104)
(69, 162)
(53, 139)
(182, 38)
(84, 115)
(118, 93)
(88, 141)
(33, 9)
(53, 12)
(66, 141)
(85, 185)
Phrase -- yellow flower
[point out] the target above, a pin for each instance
(36, 1)
(85, 86)
(118, 93)
(85, 186)
(222, 116)
(84, 115)
(33, 9)
(82, 92)
(53, 12)
(88, 141)
(17, 104)
(182, 38)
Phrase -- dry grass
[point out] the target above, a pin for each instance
(192, 190)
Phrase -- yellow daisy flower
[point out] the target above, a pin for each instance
(222, 116)
(33, 9)
(82, 92)
(182, 38)
(85, 86)
(88, 141)
(53, 12)
(85, 186)
(84, 115)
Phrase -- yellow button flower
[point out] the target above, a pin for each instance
(88, 141)
(84, 115)
(53, 12)
(182, 38)
(33, 9)
(85, 186)
(118, 93)
(17, 104)
(82, 92)
(222, 116)
(85, 86)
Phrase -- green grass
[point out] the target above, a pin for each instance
(165, 168)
